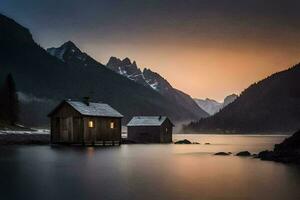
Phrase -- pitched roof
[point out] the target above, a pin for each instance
(93, 109)
(147, 121)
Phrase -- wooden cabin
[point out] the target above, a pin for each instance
(150, 129)
(86, 123)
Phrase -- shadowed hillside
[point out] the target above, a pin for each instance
(42, 76)
(272, 104)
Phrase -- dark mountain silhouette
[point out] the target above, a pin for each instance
(272, 104)
(44, 80)
(155, 81)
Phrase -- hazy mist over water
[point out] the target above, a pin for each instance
(148, 171)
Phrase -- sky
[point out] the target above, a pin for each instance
(206, 48)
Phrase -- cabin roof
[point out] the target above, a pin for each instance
(147, 121)
(93, 109)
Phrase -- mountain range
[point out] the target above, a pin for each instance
(212, 106)
(155, 81)
(270, 105)
(43, 79)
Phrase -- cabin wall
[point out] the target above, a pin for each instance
(102, 132)
(166, 131)
(78, 131)
(69, 126)
(151, 134)
(144, 134)
(63, 129)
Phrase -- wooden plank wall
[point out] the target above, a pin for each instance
(151, 134)
(69, 126)
(102, 131)
(166, 132)
(62, 124)
(144, 134)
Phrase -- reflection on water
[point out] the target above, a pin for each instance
(148, 171)
(231, 143)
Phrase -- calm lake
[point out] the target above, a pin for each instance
(137, 172)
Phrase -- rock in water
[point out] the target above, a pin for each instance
(185, 141)
(222, 154)
(290, 144)
(243, 153)
(287, 152)
(266, 155)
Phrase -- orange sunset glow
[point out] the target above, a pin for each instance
(204, 48)
(150, 99)
(206, 70)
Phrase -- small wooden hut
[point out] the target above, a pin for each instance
(87, 123)
(150, 129)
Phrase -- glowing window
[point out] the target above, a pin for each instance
(91, 124)
(166, 130)
(112, 125)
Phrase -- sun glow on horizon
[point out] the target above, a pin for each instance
(204, 72)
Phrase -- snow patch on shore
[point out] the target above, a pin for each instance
(35, 131)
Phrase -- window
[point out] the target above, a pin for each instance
(112, 125)
(166, 130)
(91, 124)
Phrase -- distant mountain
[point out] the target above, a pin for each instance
(45, 80)
(212, 106)
(209, 105)
(156, 82)
(229, 99)
(270, 105)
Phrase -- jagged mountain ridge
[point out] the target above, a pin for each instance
(153, 80)
(270, 105)
(212, 106)
(126, 68)
(44, 76)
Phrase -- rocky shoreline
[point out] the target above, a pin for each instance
(286, 152)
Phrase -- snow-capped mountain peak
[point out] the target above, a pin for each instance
(128, 69)
(69, 52)
(59, 52)
(146, 77)
(153, 81)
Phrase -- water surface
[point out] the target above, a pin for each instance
(148, 171)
